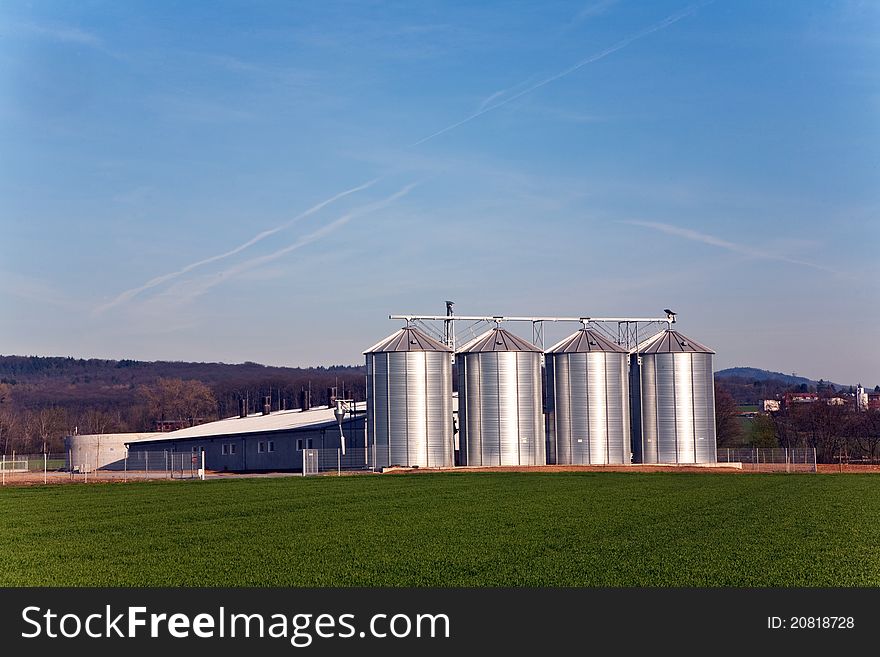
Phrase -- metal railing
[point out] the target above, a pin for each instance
(770, 459)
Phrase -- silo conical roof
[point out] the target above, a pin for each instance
(584, 341)
(671, 341)
(407, 339)
(498, 339)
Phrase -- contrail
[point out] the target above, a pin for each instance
(742, 249)
(623, 43)
(158, 280)
(129, 294)
(299, 243)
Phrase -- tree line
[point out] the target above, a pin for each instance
(42, 400)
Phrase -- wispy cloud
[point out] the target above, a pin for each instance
(61, 33)
(494, 97)
(623, 43)
(593, 9)
(32, 289)
(185, 107)
(490, 98)
(190, 290)
(734, 247)
(164, 278)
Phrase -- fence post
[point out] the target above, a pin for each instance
(125, 473)
(4, 469)
(45, 468)
(338, 462)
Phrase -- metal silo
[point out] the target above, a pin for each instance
(499, 401)
(673, 400)
(409, 401)
(588, 400)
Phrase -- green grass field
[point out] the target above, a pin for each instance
(462, 529)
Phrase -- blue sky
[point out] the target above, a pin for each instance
(268, 181)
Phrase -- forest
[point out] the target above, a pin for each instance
(43, 399)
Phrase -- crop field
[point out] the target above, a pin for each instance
(454, 529)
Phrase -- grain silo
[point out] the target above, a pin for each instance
(409, 401)
(588, 400)
(499, 401)
(673, 400)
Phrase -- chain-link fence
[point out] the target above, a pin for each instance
(771, 459)
(317, 461)
(31, 468)
(64, 467)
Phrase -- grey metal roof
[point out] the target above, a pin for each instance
(290, 420)
(670, 341)
(585, 341)
(407, 339)
(497, 339)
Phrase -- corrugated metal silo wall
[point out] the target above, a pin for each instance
(500, 409)
(550, 412)
(409, 408)
(676, 408)
(590, 417)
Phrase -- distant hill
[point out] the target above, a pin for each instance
(755, 374)
(749, 385)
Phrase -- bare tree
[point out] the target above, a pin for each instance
(46, 428)
(9, 419)
(864, 430)
(179, 400)
(823, 424)
(728, 429)
(98, 421)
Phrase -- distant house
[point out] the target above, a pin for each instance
(791, 398)
(770, 405)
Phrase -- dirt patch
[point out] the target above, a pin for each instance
(848, 468)
(577, 468)
(101, 477)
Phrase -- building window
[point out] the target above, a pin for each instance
(232, 448)
(224, 449)
(261, 447)
(309, 443)
(299, 444)
(271, 445)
